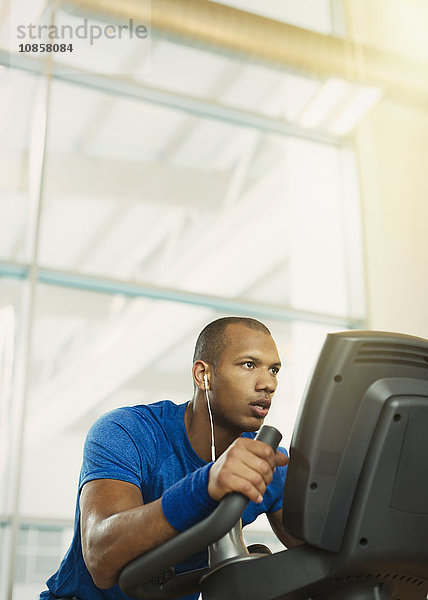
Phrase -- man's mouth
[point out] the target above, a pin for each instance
(260, 407)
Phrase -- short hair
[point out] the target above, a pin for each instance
(213, 338)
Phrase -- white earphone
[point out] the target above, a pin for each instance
(207, 387)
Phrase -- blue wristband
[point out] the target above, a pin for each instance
(187, 502)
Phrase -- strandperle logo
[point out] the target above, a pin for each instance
(84, 31)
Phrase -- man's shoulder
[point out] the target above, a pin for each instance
(147, 426)
(161, 410)
(141, 415)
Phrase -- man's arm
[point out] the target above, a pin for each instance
(116, 525)
(275, 520)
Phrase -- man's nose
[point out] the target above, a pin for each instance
(266, 381)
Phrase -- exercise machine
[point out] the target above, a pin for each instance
(356, 492)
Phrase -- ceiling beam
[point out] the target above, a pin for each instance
(71, 175)
(229, 30)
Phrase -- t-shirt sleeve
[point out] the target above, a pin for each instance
(111, 450)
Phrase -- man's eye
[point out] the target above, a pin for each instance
(274, 370)
(249, 364)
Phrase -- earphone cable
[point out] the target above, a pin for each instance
(212, 426)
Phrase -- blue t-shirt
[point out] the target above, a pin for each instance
(146, 445)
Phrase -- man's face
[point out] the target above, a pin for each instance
(245, 381)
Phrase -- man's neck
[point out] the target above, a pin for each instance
(197, 422)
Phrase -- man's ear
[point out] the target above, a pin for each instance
(200, 368)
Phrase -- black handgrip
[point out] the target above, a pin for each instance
(270, 436)
(193, 540)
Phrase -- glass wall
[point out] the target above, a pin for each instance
(126, 225)
(17, 109)
(218, 194)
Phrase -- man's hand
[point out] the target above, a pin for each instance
(247, 466)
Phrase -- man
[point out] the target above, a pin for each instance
(147, 471)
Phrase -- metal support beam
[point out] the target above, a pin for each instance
(36, 169)
(252, 37)
(141, 290)
(199, 107)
